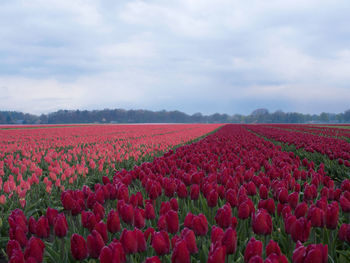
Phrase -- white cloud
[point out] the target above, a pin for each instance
(132, 49)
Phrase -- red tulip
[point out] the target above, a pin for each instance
(91, 200)
(78, 247)
(262, 223)
(114, 253)
(17, 257)
(68, 201)
(140, 239)
(154, 259)
(35, 249)
(42, 227)
(101, 228)
(300, 230)
(301, 210)
(174, 240)
(234, 222)
(212, 198)
(293, 199)
(314, 253)
(169, 188)
(229, 239)
(172, 222)
(161, 242)
(217, 253)
(127, 213)
(106, 255)
(254, 247)
(270, 206)
(316, 216)
(11, 248)
(216, 234)
(94, 244)
(345, 204)
(244, 211)
(274, 258)
(149, 211)
(139, 219)
(165, 207)
(32, 225)
(129, 241)
(251, 188)
(180, 253)
(200, 225)
(190, 238)
(174, 204)
(289, 220)
(282, 194)
(149, 233)
(181, 190)
(332, 215)
(61, 226)
(98, 211)
(113, 222)
(256, 259)
(88, 220)
(223, 216)
(19, 235)
(231, 197)
(161, 224)
(263, 192)
(344, 233)
(17, 219)
(272, 247)
(194, 192)
(188, 220)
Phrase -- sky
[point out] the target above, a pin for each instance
(222, 56)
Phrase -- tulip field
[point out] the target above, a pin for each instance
(175, 193)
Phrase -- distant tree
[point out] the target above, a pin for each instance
(145, 116)
(324, 117)
(347, 116)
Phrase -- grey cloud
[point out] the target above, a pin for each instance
(221, 56)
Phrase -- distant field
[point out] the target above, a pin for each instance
(338, 127)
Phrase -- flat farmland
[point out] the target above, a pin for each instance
(175, 193)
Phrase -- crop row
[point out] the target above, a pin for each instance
(316, 130)
(335, 149)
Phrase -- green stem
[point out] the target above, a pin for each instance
(63, 249)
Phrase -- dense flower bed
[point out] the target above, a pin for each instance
(334, 148)
(62, 157)
(231, 196)
(343, 133)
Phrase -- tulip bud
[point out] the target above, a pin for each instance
(217, 253)
(78, 247)
(190, 238)
(161, 242)
(180, 253)
(262, 223)
(95, 244)
(61, 226)
(35, 249)
(254, 247)
(229, 239)
(113, 222)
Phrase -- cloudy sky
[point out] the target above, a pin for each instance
(226, 56)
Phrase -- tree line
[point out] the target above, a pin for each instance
(146, 116)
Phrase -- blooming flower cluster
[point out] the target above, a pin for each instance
(230, 196)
